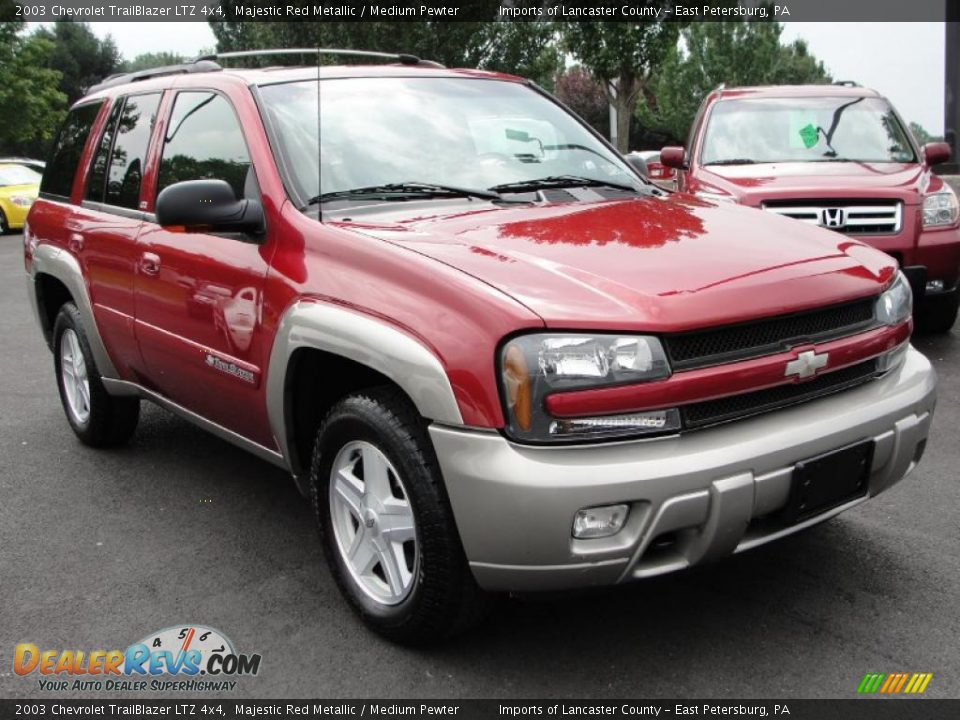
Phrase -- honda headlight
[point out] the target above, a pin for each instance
(896, 303)
(941, 208)
(534, 366)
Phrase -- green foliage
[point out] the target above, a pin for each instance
(30, 103)
(734, 53)
(525, 49)
(146, 61)
(921, 134)
(621, 54)
(80, 56)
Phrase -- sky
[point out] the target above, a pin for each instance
(903, 61)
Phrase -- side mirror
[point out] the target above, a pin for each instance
(674, 157)
(209, 205)
(935, 153)
(638, 164)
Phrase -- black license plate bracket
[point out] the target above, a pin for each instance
(826, 481)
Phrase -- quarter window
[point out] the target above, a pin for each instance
(204, 141)
(130, 150)
(62, 165)
(98, 168)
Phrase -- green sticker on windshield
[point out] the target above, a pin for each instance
(809, 135)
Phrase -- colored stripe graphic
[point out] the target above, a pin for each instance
(894, 683)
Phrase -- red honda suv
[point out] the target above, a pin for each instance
(838, 156)
(492, 356)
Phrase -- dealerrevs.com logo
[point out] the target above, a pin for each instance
(188, 658)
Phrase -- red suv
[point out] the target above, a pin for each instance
(840, 157)
(492, 356)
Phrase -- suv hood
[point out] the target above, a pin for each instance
(752, 184)
(654, 264)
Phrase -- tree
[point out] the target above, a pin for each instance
(711, 53)
(524, 48)
(921, 134)
(145, 61)
(622, 56)
(577, 89)
(80, 56)
(30, 103)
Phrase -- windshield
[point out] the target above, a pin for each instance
(859, 129)
(456, 132)
(18, 175)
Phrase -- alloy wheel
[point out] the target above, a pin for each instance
(373, 522)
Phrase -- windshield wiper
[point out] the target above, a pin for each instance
(402, 191)
(559, 181)
(732, 161)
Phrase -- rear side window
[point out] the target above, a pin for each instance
(62, 164)
(125, 171)
(96, 184)
(204, 141)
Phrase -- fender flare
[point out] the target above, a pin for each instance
(365, 340)
(58, 263)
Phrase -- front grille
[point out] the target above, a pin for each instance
(851, 217)
(702, 348)
(713, 412)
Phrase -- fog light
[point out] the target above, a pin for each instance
(652, 421)
(598, 522)
(934, 286)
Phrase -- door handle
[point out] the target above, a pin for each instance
(150, 264)
(75, 243)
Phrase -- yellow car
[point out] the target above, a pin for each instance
(19, 186)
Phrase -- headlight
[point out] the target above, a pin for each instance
(21, 200)
(533, 366)
(896, 303)
(941, 209)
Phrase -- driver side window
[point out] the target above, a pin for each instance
(204, 141)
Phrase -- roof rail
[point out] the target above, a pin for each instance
(196, 66)
(402, 58)
(846, 83)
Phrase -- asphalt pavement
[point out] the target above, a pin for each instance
(99, 549)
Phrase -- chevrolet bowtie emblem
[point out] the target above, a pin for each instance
(806, 364)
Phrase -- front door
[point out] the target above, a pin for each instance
(199, 296)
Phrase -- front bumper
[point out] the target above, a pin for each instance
(705, 492)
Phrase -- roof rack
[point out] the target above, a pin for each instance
(846, 83)
(402, 58)
(196, 66)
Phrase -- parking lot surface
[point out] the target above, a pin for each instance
(99, 549)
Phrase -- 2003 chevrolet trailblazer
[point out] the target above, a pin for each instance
(494, 357)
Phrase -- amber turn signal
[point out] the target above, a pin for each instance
(516, 381)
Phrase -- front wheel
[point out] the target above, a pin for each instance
(97, 418)
(385, 521)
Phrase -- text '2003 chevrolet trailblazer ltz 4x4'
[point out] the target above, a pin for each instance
(493, 356)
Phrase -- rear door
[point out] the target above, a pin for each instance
(104, 229)
(199, 296)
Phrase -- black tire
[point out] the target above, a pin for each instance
(938, 314)
(4, 225)
(444, 599)
(112, 420)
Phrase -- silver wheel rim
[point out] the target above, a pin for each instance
(73, 373)
(373, 523)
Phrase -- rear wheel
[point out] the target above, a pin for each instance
(939, 314)
(97, 418)
(385, 521)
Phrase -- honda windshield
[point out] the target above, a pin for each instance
(474, 134)
(804, 129)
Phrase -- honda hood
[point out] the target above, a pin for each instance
(752, 184)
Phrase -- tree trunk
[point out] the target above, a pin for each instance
(624, 116)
